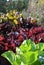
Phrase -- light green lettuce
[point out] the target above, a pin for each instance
(26, 54)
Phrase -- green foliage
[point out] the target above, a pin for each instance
(19, 5)
(27, 54)
(2, 6)
(10, 56)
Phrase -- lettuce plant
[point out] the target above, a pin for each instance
(27, 54)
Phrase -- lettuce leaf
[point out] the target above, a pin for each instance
(27, 54)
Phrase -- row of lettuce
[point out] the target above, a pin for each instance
(12, 16)
(28, 53)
